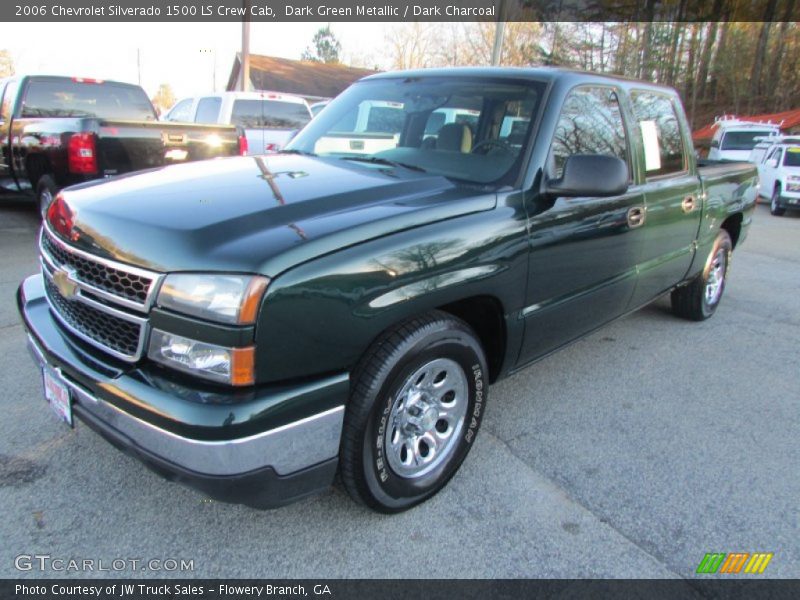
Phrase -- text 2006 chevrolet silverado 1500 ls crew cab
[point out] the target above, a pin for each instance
(57, 131)
(281, 317)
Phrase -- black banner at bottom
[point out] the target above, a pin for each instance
(397, 589)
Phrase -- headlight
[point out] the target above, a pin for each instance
(793, 184)
(234, 366)
(222, 298)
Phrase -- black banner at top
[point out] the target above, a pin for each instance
(396, 10)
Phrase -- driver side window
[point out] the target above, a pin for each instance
(590, 123)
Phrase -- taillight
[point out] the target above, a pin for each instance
(82, 154)
(243, 146)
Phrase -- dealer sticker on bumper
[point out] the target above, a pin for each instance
(57, 395)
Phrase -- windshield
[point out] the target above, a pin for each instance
(743, 140)
(269, 114)
(792, 158)
(468, 129)
(66, 98)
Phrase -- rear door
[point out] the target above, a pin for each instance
(582, 267)
(672, 195)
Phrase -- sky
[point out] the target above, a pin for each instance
(184, 55)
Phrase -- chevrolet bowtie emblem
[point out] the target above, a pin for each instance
(65, 284)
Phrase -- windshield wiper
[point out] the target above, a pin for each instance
(294, 151)
(377, 160)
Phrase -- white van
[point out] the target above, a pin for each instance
(269, 119)
(734, 139)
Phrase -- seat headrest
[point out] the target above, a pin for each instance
(455, 137)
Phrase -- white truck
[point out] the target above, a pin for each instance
(778, 162)
(269, 119)
(734, 138)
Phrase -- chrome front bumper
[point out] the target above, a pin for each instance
(277, 447)
(286, 449)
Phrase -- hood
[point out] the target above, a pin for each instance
(258, 214)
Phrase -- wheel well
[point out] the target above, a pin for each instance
(485, 315)
(733, 225)
(35, 167)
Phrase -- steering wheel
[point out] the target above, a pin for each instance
(488, 145)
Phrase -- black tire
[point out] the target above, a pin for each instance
(385, 370)
(694, 301)
(774, 204)
(46, 190)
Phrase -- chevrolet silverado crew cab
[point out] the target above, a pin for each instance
(57, 131)
(287, 316)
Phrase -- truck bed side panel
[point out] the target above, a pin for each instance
(729, 189)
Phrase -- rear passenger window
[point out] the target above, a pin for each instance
(661, 134)
(208, 110)
(590, 123)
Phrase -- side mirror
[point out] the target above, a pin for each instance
(715, 143)
(773, 163)
(590, 175)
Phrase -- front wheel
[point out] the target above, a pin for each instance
(775, 203)
(698, 300)
(418, 398)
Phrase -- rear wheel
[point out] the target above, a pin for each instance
(698, 300)
(774, 205)
(417, 402)
(46, 190)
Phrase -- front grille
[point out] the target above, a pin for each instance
(117, 282)
(121, 336)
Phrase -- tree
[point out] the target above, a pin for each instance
(326, 47)
(164, 97)
(6, 63)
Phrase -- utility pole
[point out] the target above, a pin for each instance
(139, 65)
(246, 46)
(499, 34)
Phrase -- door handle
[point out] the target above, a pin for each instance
(636, 216)
(688, 204)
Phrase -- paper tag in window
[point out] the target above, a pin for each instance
(652, 154)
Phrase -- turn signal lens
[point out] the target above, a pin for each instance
(233, 366)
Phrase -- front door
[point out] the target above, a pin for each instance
(582, 264)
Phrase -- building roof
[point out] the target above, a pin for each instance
(300, 77)
(787, 120)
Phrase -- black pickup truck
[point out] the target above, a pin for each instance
(285, 317)
(57, 131)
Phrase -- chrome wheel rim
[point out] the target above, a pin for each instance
(45, 198)
(716, 277)
(426, 418)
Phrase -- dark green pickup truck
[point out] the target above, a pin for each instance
(251, 326)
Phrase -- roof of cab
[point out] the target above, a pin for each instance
(533, 73)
